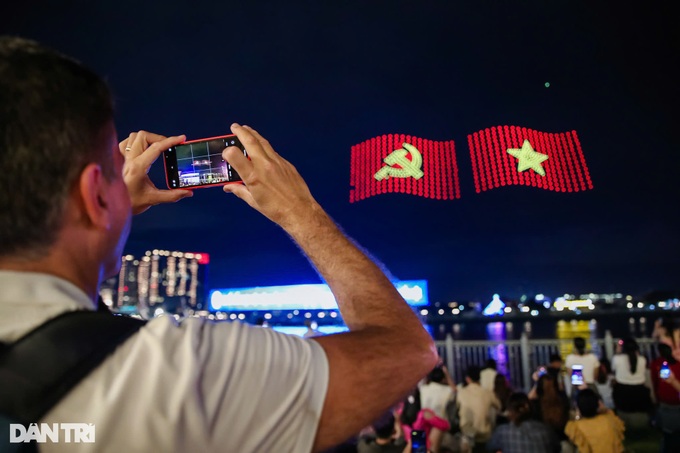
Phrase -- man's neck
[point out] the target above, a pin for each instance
(58, 267)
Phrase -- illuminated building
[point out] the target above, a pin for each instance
(160, 282)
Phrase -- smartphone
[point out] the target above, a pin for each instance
(577, 375)
(542, 371)
(665, 371)
(418, 441)
(199, 163)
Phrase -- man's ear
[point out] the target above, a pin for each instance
(93, 190)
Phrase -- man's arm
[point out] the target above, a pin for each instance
(387, 349)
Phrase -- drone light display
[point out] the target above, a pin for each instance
(510, 155)
(398, 163)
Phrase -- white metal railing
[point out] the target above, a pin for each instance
(517, 359)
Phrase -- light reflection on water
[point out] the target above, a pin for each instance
(568, 330)
(496, 332)
(548, 329)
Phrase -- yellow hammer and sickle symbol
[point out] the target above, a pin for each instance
(409, 168)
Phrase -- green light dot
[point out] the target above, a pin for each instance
(547, 84)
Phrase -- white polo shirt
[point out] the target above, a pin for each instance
(196, 386)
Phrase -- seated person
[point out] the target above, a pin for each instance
(555, 364)
(522, 434)
(477, 408)
(605, 383)
(597, 429)
(630, 394)
(488, 374)
(437, 390)
(550, 405)
(388, 437)
(433, 426)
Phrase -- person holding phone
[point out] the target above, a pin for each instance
(67, 194)
(664, 371)
(596, 428)
(582, 366)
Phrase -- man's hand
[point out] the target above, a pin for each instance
(272, 184)
(140, 150)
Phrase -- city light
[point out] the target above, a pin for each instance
(309, 297)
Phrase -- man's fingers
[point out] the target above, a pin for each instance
(138, 142)
(234, 156)
(148, 157)
(126, 145)
(171, 196)
(249, 142)
(136, 145)
(240, 191)
(150, 138)
(263, 142)
(121, 146)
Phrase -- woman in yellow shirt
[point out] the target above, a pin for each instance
(597, 429)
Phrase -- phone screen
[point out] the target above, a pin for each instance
(542, 371)
(577, 375)
(418, 441)
(665, 371)
(199, 163)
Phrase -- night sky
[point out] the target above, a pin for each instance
(317, 77)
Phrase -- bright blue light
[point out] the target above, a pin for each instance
(301, 330)
(303, 297)
(495, 307)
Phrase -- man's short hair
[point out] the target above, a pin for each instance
(473, 372)
(53, 117)
(588, 403)
(555, 358)
(384, 426)
(436, 375)
(490, 363)
(518, 404)
(580, 344)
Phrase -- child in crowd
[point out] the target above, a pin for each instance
(604, 383)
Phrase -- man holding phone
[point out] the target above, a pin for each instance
(194, 386)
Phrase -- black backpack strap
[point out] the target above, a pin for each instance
(40, 368)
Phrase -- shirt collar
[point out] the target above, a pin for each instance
(27, 299)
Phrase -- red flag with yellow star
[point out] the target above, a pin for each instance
(404, 164)
(511, 155)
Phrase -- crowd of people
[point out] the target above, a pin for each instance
(591, 412)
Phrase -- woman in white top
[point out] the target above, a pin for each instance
(587, 360)
(630, 393)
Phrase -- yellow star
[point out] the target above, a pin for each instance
(528, 158)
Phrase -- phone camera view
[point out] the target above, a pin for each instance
(200, 163)
(665, 371)
(418, 441)
(577, 376)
